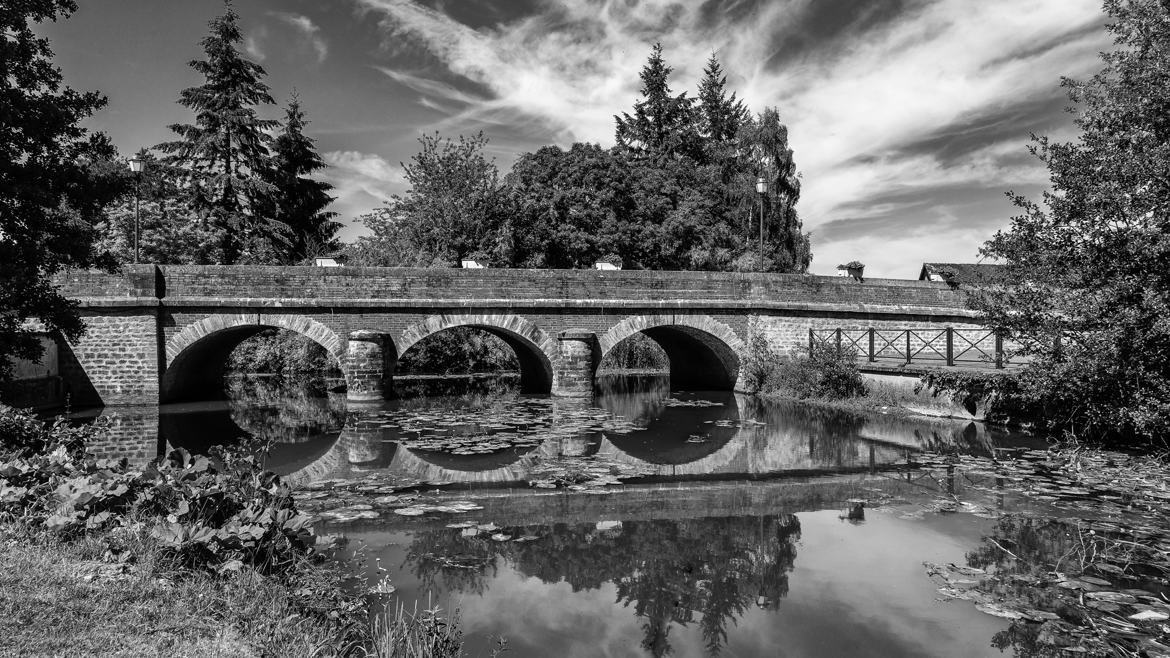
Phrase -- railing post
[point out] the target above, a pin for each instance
(838, 341)
(872, 356)
(950, 346)
(998, 351)
(810, 340)
(907, 347)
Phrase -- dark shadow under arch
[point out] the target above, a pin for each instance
(703, 352)
(197, 372)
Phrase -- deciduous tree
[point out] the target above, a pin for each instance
(1090, 263)
(49, 195)
(455, 206)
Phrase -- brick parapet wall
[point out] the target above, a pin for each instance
(255, 286)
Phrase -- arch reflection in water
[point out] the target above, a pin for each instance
(634, 424)
(300, 421)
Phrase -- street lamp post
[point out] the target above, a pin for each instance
(762, 190)
(136, 164)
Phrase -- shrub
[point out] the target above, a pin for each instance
(826, 372)
(760, 365)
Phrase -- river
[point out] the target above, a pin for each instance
(646, 522)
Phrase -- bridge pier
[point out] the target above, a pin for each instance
(578, 364)
(367, 370)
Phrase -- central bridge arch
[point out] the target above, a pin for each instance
(703, 352)
(535, 350)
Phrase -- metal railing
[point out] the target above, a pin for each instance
(938, 347)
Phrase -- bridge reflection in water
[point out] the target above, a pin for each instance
(314, 435)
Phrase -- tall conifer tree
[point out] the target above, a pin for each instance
(662, 124)
(297, 200)
(222, 158)
(721, 115)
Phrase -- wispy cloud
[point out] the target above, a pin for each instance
(252, 43)
(308, 29)
(361, 181)
(860, 93)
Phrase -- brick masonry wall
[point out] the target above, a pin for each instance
(116, 361)
(568, 287)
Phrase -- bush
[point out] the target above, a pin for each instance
(827, 372)
(761, 365)
(214, 514)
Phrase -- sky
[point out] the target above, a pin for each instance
(909, 119)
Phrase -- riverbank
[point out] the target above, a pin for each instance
(198, 556)
(80, 598)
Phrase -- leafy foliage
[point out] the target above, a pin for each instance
(1091, 287)
(456, 351)
(826, 372)
(169, 231)
(49, 195)
(455, 206)
(276, 351)
(219, 513)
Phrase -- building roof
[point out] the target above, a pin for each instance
(963, 273)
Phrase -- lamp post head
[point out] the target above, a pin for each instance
(136, 165)
(761, 185)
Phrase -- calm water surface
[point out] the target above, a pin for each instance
(737, 528)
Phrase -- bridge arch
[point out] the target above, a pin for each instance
(535, 350)
(704, 353)
(196, 356)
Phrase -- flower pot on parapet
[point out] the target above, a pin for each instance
(853, 269)
(475, 260)
(608, 262)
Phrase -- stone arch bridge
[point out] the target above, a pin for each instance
(164, 332)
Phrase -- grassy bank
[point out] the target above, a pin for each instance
(78, 598)
(190, 556)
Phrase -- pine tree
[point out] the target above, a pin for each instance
(222, 159)
(296, 200)
(721, 116)
(48, 194)
(663, 124)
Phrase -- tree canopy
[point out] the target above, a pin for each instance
(1090, 304)
(50, 193)
(677, 191)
